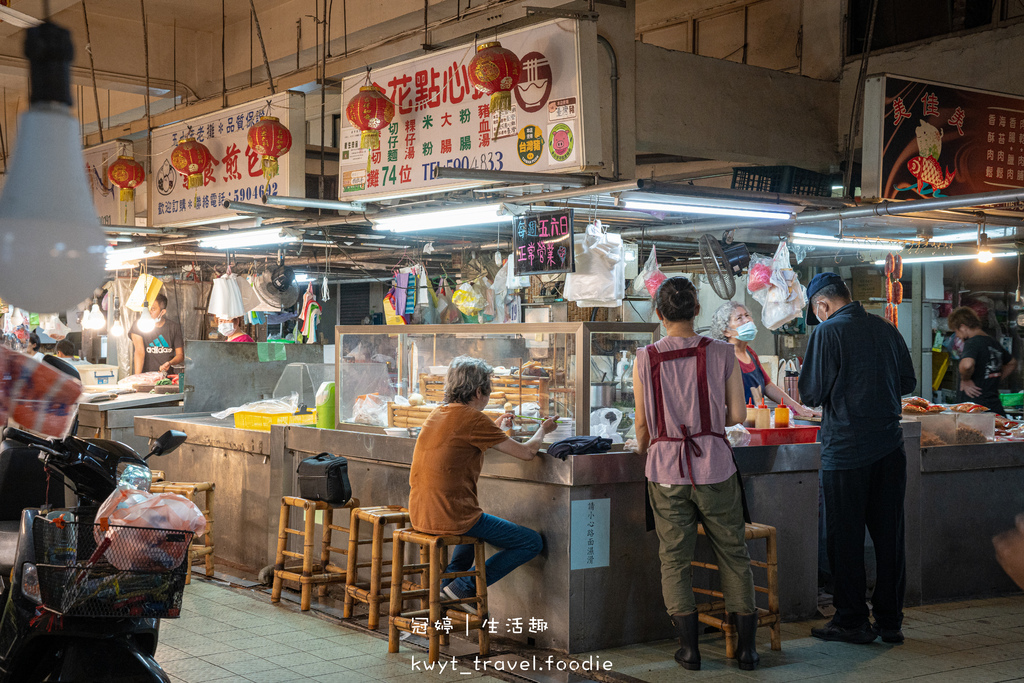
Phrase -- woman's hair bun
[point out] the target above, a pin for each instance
(676, 299)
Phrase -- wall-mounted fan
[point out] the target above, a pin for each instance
(722, 263)
(276, 287)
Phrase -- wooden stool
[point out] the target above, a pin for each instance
(156, 475)
(707, 611)
(202, 544)
(371, 593)
(434, 558)
(308, 574)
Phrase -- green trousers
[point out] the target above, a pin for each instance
(677, 509)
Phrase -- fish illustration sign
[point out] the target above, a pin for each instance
(924, 139)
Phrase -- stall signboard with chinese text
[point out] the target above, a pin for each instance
(441, 120)
(236, 173)
(542, 243)
(924, 140)
(105, 196)
(589, 533)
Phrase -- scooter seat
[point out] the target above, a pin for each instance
(9, 532)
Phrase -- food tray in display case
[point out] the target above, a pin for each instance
(539, 369)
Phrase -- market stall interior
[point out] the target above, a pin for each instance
(273, 312)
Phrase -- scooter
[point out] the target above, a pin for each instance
(36, 644)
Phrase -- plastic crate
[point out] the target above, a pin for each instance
(1012, 400)
(783, 180)
(783, 435)
(112, 571)
(262, 422)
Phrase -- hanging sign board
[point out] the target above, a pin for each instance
(236, 173)
(106, 196)
(924, 139)
(542, 243)
(441, 120)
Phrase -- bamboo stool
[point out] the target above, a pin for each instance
(308, 574)
(156, 475)
(202, 544)
(770, 617)
(373, 592)
(434, 558)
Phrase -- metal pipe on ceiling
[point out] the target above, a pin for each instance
(244, 207)
(305, 203)
(569, 179)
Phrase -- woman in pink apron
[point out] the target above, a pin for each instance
(688, 388)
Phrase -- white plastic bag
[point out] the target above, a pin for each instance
(738, 436)
(785, 297)
(605, 422)
(226, 298)
(371, 409)
(140, 548)
(600, 277)
(759, 275)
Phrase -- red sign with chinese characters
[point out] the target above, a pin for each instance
(926, 139)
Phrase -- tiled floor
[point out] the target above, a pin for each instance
(229, 634)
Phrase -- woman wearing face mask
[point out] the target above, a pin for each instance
(733, 323)
(231, 330)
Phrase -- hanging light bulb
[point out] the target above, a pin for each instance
(984, 253)
(50, 250)
(146, 322)
(94, 319)
(117, 329)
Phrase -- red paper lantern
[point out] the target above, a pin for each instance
(495, 71)
(190, 159)
(126, 174)
(370, 111)
(270, 139)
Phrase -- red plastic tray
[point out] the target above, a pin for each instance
(785, 435)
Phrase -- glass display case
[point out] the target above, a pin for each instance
(580, 372)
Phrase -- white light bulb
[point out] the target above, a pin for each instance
(117, 329)
(51, 243)
(95, 319)
(146, 322)
(984, 256)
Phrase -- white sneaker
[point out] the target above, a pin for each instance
(447, 592)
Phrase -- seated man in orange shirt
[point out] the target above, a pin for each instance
(446, 466)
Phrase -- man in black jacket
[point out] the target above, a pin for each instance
(856, 368)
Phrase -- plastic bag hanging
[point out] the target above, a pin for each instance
(785, 297)
(600, 277)
(226, 298)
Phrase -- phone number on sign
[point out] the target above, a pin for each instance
(214, 199)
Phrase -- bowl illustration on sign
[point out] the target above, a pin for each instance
(534, 82)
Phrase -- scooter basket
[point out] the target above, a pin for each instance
(130, 572)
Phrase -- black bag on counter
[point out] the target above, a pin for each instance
(579, 445)
(325, 477)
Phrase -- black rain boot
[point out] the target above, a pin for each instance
(746, 648)
(688, 656)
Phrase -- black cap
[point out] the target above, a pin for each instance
(817, 283)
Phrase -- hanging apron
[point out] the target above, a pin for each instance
(688, 447)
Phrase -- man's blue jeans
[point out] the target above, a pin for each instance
(518, 546)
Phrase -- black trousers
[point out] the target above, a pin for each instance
(872, 497)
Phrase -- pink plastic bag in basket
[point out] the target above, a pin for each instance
(138, 550)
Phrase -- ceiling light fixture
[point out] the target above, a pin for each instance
(485, 214)
(52, 248)
(667, 203)
(254, 238)
(952, 257)
(118, 258)
(810, 240)
(16, 18)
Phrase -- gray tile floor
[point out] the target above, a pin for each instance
(230, 634)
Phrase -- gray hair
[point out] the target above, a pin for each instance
(465, 376)
(720, 319)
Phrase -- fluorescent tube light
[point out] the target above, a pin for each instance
(952, 257)
(252, 238)
(18, 19)
(485, 214)
(709, 210)
(117, 258)
(810, 240)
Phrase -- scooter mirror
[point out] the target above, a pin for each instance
(167, 442)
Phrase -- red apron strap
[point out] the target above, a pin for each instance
(703, 398)
(655, 359)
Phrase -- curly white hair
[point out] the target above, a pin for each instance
(720, 319)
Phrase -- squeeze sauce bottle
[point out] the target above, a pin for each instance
(781, 417)
(751, 418)
(764, 417)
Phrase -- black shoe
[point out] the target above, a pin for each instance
(688, 655)
(888, 635)
(746, 632)
(861, 635)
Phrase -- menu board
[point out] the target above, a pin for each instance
(542, 243)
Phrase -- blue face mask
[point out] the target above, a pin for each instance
(746, 332)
